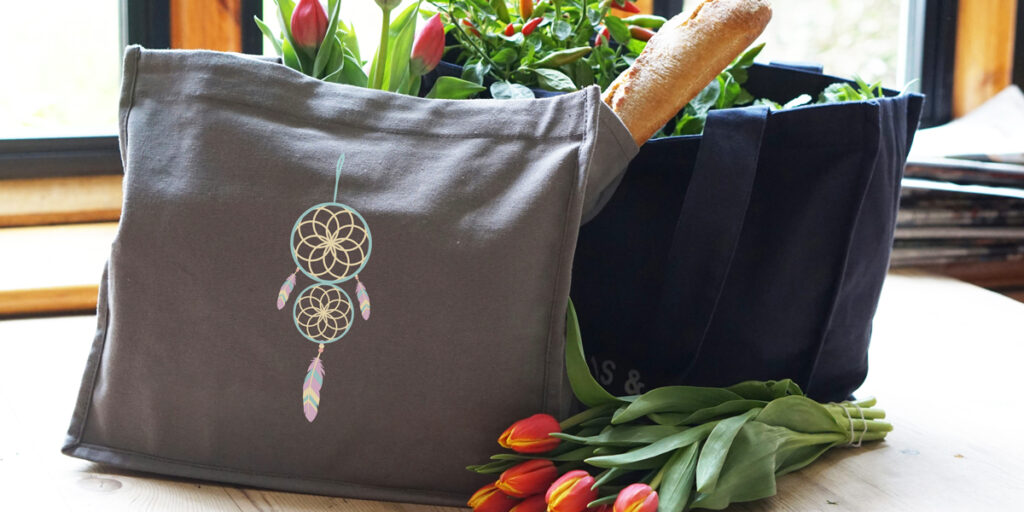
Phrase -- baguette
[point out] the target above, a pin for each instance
(685, 55)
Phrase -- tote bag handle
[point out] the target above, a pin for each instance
(708, 231)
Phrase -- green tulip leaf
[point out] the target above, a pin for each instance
(352, 73)
(284, 16)
(269, 34)
(682, 399)
(288, 56)
(658, 448)
(626, 435)
(332, 72)
(716, 448)
(584, 386)
(572, 455)
(677, 484)
(327, 48)
(402, 33)
(749, 470)
(491, 467)
(767, 390)
(727, 409)
(800, 414)
(606, 500)
(607, 476)
(347, 32)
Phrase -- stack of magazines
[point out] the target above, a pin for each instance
(963, 197)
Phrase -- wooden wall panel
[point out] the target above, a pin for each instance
(206, 24)
(984, 51)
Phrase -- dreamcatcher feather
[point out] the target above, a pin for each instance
(286, 289)
(311, 386)
(363, 298)
(330, 244)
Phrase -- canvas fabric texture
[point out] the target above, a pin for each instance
(474, 209)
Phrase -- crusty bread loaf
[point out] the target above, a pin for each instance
(681, 59)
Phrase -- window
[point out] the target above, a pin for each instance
(62, 83)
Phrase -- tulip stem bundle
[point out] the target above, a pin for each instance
(674, 448)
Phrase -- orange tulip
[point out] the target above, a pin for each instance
(530, 435)
(636, 498)
(531, 504)
(571, 492)
(527, 478)
(489, 499)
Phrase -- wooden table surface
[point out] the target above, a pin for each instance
(945, 364)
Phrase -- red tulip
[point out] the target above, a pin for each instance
(571, 492)
(309, 24)
(527, 478)
(429, 45)
(531, 504)
(636, 498)
(530, 435)
(601, 508)
(489, 499)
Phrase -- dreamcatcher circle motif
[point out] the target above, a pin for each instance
(330, 244)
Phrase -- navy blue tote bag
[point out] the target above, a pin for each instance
(754, 251)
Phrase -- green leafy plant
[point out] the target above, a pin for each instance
(696, 447)
(555, 45)
(726, 91)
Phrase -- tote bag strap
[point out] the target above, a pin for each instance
(707, 233)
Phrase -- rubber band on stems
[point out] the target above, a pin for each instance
(863, 432)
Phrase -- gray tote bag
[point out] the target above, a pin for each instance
(328, 289)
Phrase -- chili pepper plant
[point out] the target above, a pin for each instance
(670, 449)
(555, 45)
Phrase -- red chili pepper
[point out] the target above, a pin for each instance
(602, 36)
(626, 5)
(509, 30)
(531, 26)
(641, 33)
(471, 27)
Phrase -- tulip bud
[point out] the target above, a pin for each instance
(636, 498)
(527, 478)
(489, 499)
(309, 24)
(530, 435)
(571, 492)
(429, 45)
(531, 504)
(601, 508)
(388, 5)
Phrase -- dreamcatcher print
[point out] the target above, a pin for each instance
(330, 244)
